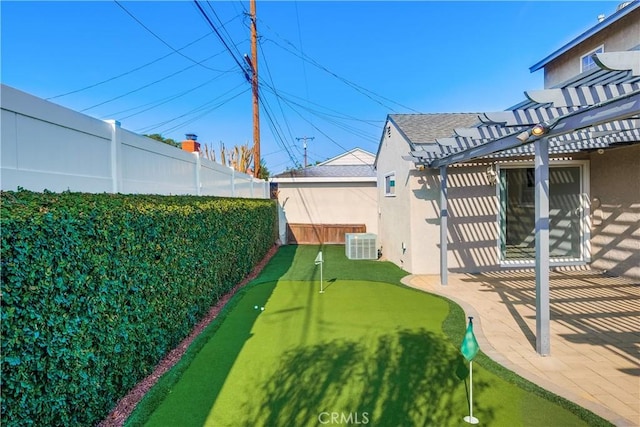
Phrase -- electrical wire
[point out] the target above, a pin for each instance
(162, 40)
(206, 112)
(144, 86)
(154, 126)
(366, 92)
(157, 103)
(223, 28)
(128, 72)
(276, 133)
(215, 30)
(270, 76)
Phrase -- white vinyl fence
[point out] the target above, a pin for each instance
(48, 147)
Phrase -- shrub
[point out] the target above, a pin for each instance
(97, 288)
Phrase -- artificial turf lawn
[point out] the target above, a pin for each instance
(369, 350)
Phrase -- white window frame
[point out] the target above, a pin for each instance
(585, 224)
(388, 177)
(590, 64)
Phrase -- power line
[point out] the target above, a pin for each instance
(276, 134)
(223, 27)
(162, 41)
(195, 110)
(129, 72)
(270, 76)
(330, 118)
(204, 113)
(215, 30)
(366, 92)
(143, 87)
(160, 102)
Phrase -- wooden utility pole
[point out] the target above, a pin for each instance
(304, 138)
(254, 86)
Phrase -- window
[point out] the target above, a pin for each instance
(390, 184)
(586, 61)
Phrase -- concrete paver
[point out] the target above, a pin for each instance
(595, 333)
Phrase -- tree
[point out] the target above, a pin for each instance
(264, 172)
(160, 138)
(240, 158)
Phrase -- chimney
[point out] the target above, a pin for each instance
(190, 143)
(601, 17)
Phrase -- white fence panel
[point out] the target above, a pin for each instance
(216, 179)
(39, 152)
(151, 167)
(244, 185)
(48, 147)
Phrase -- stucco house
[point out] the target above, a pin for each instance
(319, 204)
(552, 181)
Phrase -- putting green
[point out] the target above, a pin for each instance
(362, 352)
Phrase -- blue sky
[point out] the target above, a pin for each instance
(331, 70)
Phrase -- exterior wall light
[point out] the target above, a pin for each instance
(536, 131)
(540, 129)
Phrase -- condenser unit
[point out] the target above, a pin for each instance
(361, 246)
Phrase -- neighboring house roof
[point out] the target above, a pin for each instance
(353, 166)
(623, 10)
(357, 156)
(328, 171)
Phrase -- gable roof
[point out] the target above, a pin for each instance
(329, 171)
(353, 166)
(421, 128)
(357, 156)
(624, 9)
(424, 128)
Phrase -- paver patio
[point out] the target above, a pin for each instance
(595, 333)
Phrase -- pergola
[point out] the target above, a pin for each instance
(595, 110)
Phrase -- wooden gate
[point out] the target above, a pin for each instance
(317, 234)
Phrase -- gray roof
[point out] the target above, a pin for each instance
(423, 128)
(329, 171)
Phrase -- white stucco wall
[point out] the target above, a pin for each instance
(337, 202)
(413, 217)
(394, 220)
(473, 226)
(615, 211)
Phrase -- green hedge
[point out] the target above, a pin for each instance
(97, 288)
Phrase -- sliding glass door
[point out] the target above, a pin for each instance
(567, 238)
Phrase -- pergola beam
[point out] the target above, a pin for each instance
(581, 96)
(622, 108)
(627, 60)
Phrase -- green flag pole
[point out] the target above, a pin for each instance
(469, 349)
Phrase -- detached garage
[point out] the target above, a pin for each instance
(322, 203)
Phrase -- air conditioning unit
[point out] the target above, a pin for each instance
(361, 246)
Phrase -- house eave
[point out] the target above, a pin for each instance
(586, 35)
